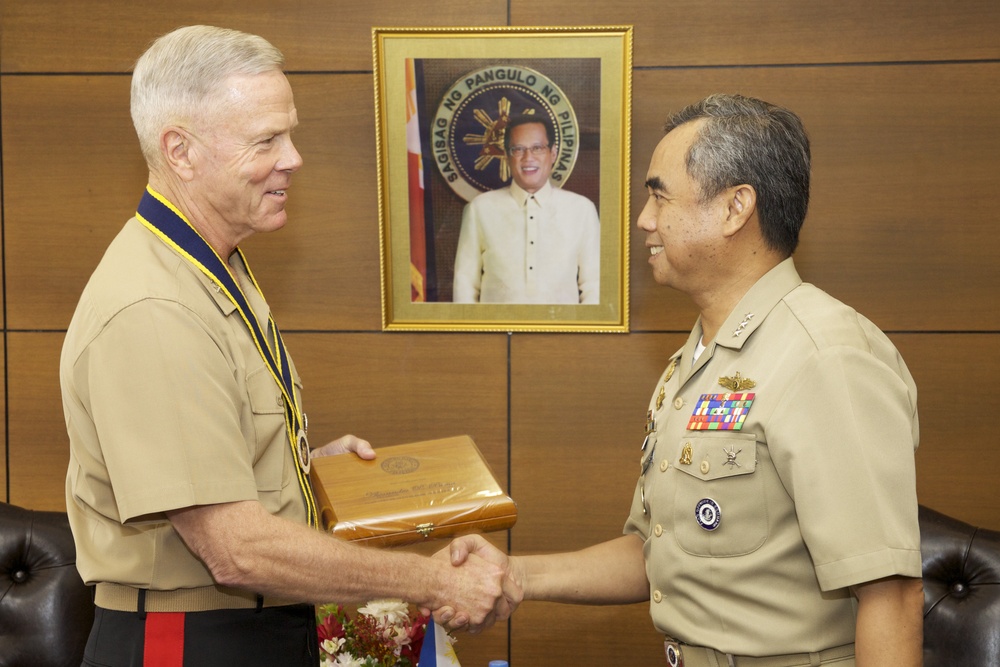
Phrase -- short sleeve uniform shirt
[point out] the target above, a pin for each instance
(168, 404)
(752, 535)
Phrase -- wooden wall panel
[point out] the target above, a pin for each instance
(326, 262)
(393, 389)
(957, 460)
(314, 35)
(904, 165)
(3, 295)
(77, 176)
(577, 416)
(547, 634)
(691, 33)
(5, 449)
(322, 270)
(37, 441)
(578, 408)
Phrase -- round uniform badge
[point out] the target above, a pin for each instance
(467, 132)
(674, 656)
(708, 513)
(302, 445)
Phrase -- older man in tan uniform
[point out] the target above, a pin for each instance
(187, 488)
(774, 522)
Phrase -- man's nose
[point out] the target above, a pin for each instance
(646, 220)
(291, 159)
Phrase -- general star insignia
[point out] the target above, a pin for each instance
(741, 327)
(737, 383)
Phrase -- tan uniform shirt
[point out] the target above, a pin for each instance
(752, 535)
(168, 404)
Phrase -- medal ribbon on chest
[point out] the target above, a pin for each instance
(171, 227)
(720, 412)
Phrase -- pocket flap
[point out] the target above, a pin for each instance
(710, 457)
(265, 394)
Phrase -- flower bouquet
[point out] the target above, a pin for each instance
(384, 633)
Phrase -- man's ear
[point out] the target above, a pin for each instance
(175, 145)
(741, 203)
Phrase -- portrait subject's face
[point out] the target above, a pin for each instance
(531, 157)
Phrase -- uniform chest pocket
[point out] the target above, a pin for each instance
(720, 508)
(270, 439)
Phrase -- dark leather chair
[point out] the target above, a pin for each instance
(961, 592)
(45, 609)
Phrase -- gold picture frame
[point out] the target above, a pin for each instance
(442, 99)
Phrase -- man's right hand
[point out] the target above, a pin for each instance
(466, 551)
(472, 596)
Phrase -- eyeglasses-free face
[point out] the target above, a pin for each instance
(531, 157)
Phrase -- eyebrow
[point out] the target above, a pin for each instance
(654, 183)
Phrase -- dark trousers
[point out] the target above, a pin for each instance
(268, 637)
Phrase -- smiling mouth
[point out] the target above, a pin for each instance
(277, 192)
(655, 250)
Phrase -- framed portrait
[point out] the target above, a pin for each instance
(503, 173)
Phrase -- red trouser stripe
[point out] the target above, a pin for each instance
(164, 645)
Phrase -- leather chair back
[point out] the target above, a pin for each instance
(961, 592)
(45, 609)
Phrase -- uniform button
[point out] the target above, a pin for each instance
(658, 530)
(281, 399)
(664, 465)
(705, 467)
(678, 403)
(657, 596)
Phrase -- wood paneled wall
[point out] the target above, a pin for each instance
(903, 108)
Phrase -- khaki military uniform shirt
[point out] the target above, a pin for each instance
(168, 405)
(753, 535)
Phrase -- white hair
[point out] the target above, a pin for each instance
(183, 69)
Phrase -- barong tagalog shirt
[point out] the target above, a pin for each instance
(169, 403)
(523, 248)
(778, 471)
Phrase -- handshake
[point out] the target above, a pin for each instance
(480, 588)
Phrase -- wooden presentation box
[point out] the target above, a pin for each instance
(411, 492)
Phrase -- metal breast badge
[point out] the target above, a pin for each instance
(731, 455)
(686, 455)
(708, 513)
(666, 378)
(737, 383)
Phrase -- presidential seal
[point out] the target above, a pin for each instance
(400, 465)
(467, 133)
